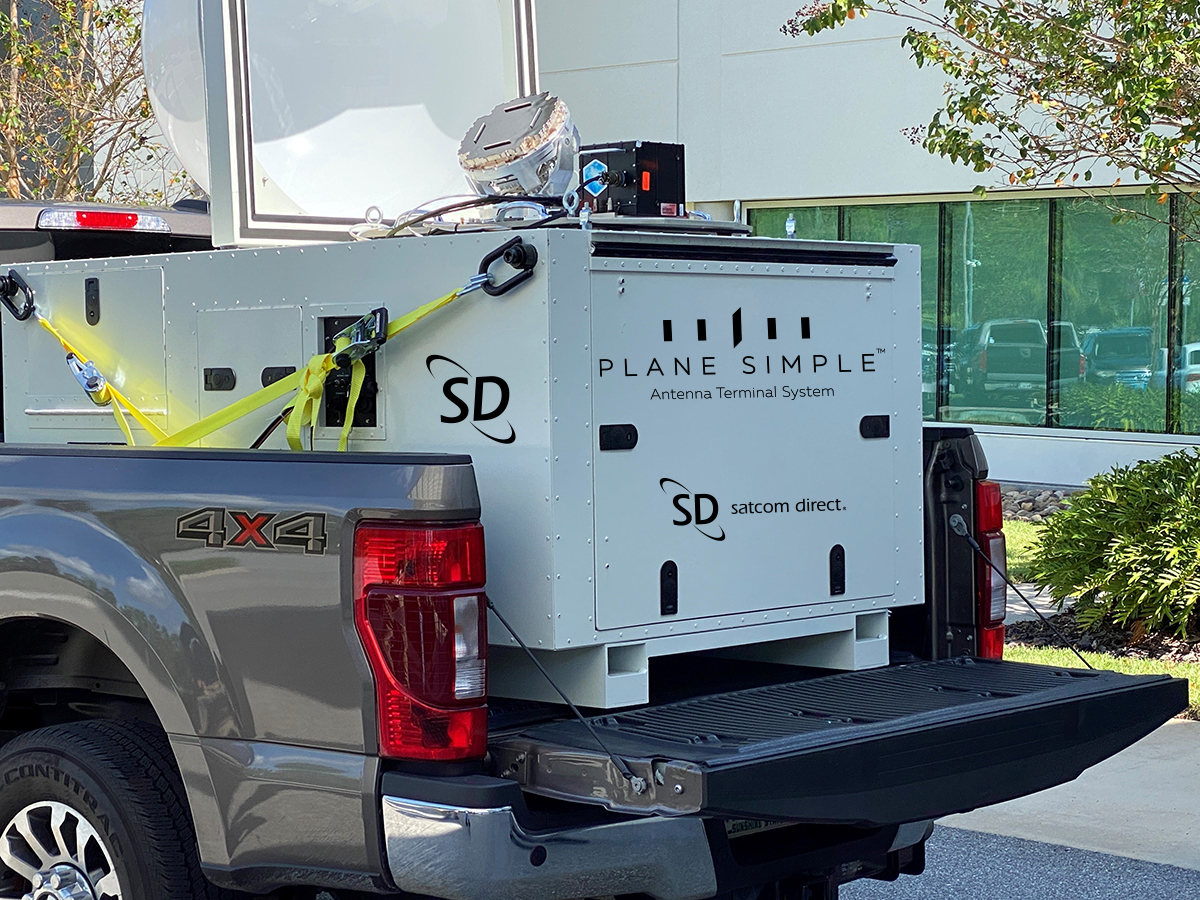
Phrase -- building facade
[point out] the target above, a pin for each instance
(1058, 323)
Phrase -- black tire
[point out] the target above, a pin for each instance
(119, 777)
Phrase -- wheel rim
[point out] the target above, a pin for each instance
(48, 851)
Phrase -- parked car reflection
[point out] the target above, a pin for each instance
(1187, 375)
(1005, 360)
(1119, 356)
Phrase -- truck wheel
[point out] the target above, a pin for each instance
(95, 811)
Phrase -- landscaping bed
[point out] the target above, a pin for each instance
(1063, 658)
(1110, 640)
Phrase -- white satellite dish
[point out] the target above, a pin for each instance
(336, 106)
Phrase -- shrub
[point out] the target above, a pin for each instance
(1128, 546)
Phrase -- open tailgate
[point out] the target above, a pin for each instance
(866, 748)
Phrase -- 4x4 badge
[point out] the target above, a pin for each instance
(306, 530)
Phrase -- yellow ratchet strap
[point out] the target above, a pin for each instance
(232, 413)
(309, 385)
(308, 400)
(358, 374)
(110, 395)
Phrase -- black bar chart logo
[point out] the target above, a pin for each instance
(736, 324)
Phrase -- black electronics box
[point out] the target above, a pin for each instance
(633, 178)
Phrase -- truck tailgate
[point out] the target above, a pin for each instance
(874, 747)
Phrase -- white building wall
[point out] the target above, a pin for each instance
(763, 115)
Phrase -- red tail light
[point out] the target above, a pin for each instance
(421, 614)
(983, 360)
(991, 642)
(989, 507)
(991, 592)
(1193, 377)
(1082, 365)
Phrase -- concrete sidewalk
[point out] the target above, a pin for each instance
(1019, 611)
(1143, 803)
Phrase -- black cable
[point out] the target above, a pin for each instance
(270, 429)
(622, 766)
(959, 526)
(609, 178)
(542, 223)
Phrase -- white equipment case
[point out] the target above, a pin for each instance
(682, 441)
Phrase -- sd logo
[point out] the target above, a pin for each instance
(478, 413)
(696, 514)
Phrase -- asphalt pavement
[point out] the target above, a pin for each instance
(1127, 828)
(972, 865)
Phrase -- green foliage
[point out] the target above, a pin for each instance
(1113, 407)
(1043, 91)
(1128, 547)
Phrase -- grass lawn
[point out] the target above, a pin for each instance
(1055, 656)
(1021, 538)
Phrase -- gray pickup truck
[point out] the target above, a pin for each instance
(209, 691)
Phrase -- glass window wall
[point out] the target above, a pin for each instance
(1051, 312)
(1187, 377)
(816, 223)
(998, 265)
(1114, 293)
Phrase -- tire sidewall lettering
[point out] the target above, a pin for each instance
(86, 802)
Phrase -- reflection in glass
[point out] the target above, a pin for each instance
(815, 223)
(1114, 292)
(998, 274)
(1188, 374)
(1053, 312)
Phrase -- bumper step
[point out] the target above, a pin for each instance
(867, 748)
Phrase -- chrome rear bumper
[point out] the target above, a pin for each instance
(472, 854)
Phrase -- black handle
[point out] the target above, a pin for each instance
(10, 285)
(516, 253)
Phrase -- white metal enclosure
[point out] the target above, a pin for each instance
(774, 388)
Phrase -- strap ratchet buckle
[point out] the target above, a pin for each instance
(90, 379)
(366, 336)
